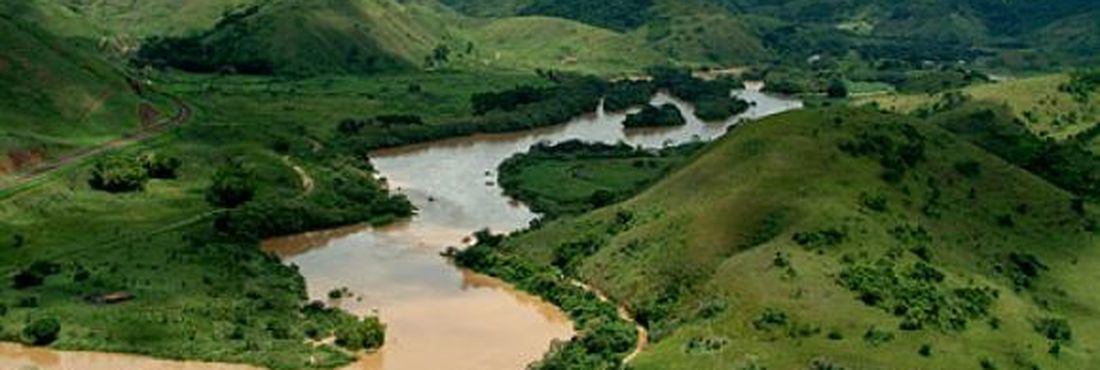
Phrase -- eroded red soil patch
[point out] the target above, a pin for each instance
(20, 159)
(148, 114)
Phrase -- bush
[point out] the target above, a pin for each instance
(769, 319)
(1057, 330)
(35, 274)
(118, 175)
(917, 295)
(830, 237)
(837, 90)
(42, 332)
(1023, 269)
(160, 167)
(898, 147)
(971, 169)
(367, 334)
(874, 202)
(876, 337)
(233, 185)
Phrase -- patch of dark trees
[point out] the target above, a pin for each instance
(666, 115)
(1068, 164)
(620, 15)
(603, 339)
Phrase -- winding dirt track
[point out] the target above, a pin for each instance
(643, 334)
(183, 113)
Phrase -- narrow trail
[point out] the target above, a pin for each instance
(183, 114)
(306, 179)
(643, 333)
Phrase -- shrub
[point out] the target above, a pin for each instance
(233, 185)
(35, 274)
(601, 198)
(160, 167)
(876, 337)
(971, 169)
(874, 202)
(824, 364)
(925, 350)
(568, 255)
(898, 147)
(42, 332)
(118, 175)
(822, 238)
(1057, 330)
(837, 90)
(916, 295)
(1023, 269)
(770, 319)
(27, 302)
(367, 334)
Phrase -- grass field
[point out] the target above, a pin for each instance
(1037, 101)
(740, 258)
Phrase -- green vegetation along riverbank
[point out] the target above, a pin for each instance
(949, 256)
(572, 178)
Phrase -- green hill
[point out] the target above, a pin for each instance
(694, 32)
(57, 95)
(131, 19)
(1038, 101)
(542, 42)
(295, 37)
(843, 237)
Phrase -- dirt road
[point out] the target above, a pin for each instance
(183, 113)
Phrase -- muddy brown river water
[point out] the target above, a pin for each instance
(438, 316)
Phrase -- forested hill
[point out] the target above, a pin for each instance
(1057, 30)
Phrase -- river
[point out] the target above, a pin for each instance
(439, 316)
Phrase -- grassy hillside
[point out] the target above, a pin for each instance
(58, 95)
(843, 237)
(131, 19)
(1037, 101)
(695, 32)
(294, 37)
(553, 43)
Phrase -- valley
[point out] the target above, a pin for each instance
(503, 184)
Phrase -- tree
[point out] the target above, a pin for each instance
(837, 90)
(42, 332)
(233, 185)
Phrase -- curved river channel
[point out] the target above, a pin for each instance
(438, 316)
